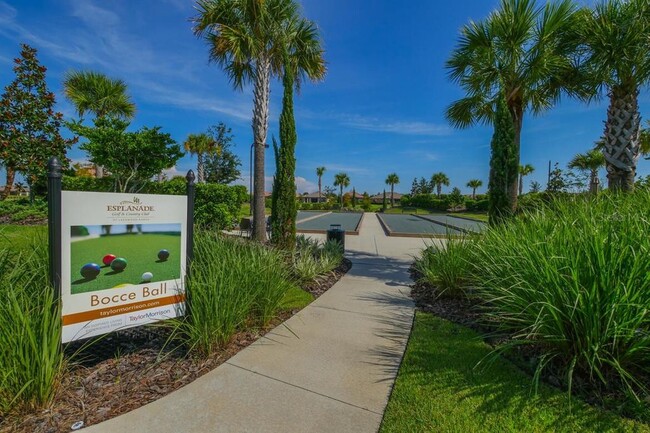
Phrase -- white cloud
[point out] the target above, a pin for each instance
(396, 126)
(303, 185)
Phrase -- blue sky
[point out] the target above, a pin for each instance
(379, 110)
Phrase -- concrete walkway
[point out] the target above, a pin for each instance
(329, 368)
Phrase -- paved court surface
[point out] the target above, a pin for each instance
(413, 225)
(459, 223)
(329, 368)
(348, 222)
(308, 214)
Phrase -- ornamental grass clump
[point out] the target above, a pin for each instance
(446, 267)
(573, 279)
(233, 284)
(313, 259)
(31, 355)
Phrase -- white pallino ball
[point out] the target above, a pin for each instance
(147, 276)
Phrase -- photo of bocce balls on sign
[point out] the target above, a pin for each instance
(114, 256)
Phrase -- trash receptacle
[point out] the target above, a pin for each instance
(335, 232)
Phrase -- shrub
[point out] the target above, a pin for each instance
(572, 279)
(233, 282)
(446, 267)
(82, 183)
(31, 357)
(21, 210)
(477, 205)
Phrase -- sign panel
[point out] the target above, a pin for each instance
(122, 261)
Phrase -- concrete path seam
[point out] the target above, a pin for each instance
(306, 389)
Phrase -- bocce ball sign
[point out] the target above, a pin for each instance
(123, 259)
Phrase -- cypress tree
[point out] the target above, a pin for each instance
(504, 166)
(283, 201)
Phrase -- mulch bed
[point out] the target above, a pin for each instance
(131, 368)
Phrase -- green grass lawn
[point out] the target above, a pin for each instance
(140, 251)
(296, 299)
(475, 216)
(245, 209)
(17, 237)
(440, 389)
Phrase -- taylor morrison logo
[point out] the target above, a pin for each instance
(130, 206)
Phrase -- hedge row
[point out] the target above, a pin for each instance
(216, 206)
(433, 203)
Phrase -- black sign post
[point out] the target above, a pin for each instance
(54, 222)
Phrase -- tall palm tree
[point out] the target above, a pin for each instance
(524, 170)
(200, 145)
(474, 184)
(592, 161)
(617, 33)
(320, 171)
(342, 181)
(438, 180)
(392, 180)
(522, 51)
(96, 93)
(250, 40)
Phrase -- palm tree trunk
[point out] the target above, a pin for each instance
(439, 189)
(593, 182)
(260, 129)
(11, 176)
(341, 196)
(319, 189)
(517, 113)
(200, 168)
(392, 201)
(622, 137)
(521, 184)
(473, 193)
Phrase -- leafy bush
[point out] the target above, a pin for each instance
(572, 279)
(21, 210)
(232, 283)
(477, 205)
(447, 267)
(31, 357)
(426, 201)
(82, 183)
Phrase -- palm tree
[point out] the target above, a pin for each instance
(342, 181)
(616, 33)
(392, 180)
(524, 170)
(200, 145)
(94, 92)
(521, 51)
(251, 41)
(474, 184)
(592, 161)
(438, 180)
(320, 171)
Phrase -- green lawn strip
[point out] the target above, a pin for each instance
(18, 237)
(408, 210)
(296, 299)
(140, 251)
(439, 388)
(475, 216)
